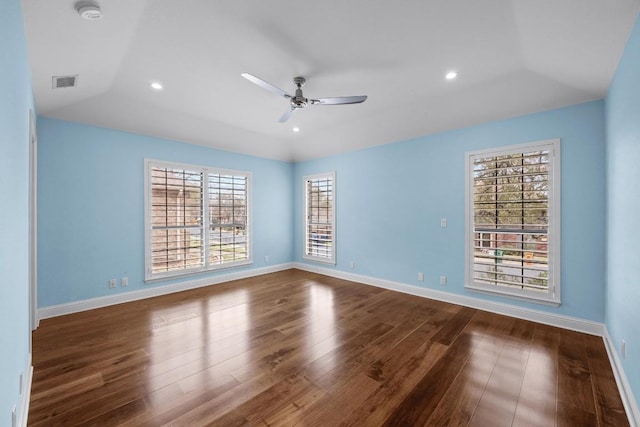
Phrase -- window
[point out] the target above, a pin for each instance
(197, 219)
(513, 221)
(320, 229)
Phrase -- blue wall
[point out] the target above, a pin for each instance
(389, 203)
(15, 101)
(91, 207)
(390, 200)
(623, 213)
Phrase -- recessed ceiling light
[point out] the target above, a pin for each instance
(451, 75)
(89, 11)
(296, 129)
(156, 85)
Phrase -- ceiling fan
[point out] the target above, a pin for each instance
(298, 101)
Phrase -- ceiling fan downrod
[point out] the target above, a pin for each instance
(299, 101)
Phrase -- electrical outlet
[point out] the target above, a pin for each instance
(266, 258)
(421, 277)
(124, 282)
(443, 222)
(443, 280)
(623, 349)
(112, 283)
(352, 265)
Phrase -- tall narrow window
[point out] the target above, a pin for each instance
(228, 241)
(197, 219)
(320, 230)
(513, 225)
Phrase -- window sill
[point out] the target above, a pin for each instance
(164, 277)
(520, 296)
(320, 260)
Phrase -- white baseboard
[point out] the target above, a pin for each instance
(630, 405)
(154, 291)
(561, 321)
(26, 396)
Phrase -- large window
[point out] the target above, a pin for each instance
(197, 219)
(513, 221)
(320, 229)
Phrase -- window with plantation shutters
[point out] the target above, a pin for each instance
(513, 221)
(320, 230)
(228, 238)
(197, 219)
(176, 219)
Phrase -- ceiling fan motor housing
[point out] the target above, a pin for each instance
(299, 101)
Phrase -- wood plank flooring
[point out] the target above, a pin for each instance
(296, 348)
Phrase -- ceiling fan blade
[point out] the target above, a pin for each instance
(265, 85)
(339, 100)
(286, 116)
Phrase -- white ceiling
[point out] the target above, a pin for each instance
(513, 57)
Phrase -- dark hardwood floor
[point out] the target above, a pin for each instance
(295, 348)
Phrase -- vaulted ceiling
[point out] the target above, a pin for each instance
(512, 57)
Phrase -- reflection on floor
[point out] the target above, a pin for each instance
(296, 348)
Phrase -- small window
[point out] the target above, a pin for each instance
(320, 230)
(197, 219)
(513, 221)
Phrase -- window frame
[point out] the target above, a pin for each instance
(208, 266)
(305, 179)
(553, 295)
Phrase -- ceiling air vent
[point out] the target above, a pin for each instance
(60, 82)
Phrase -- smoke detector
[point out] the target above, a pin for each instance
(89, 11)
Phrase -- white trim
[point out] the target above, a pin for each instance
(26, 395)
(197, 272)
(33, 225)
(558, 320)
(305, 217)
(205, 171)
(626, 394)
(90, 304)
(552, 297)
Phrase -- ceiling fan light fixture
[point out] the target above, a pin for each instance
(89, 11)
